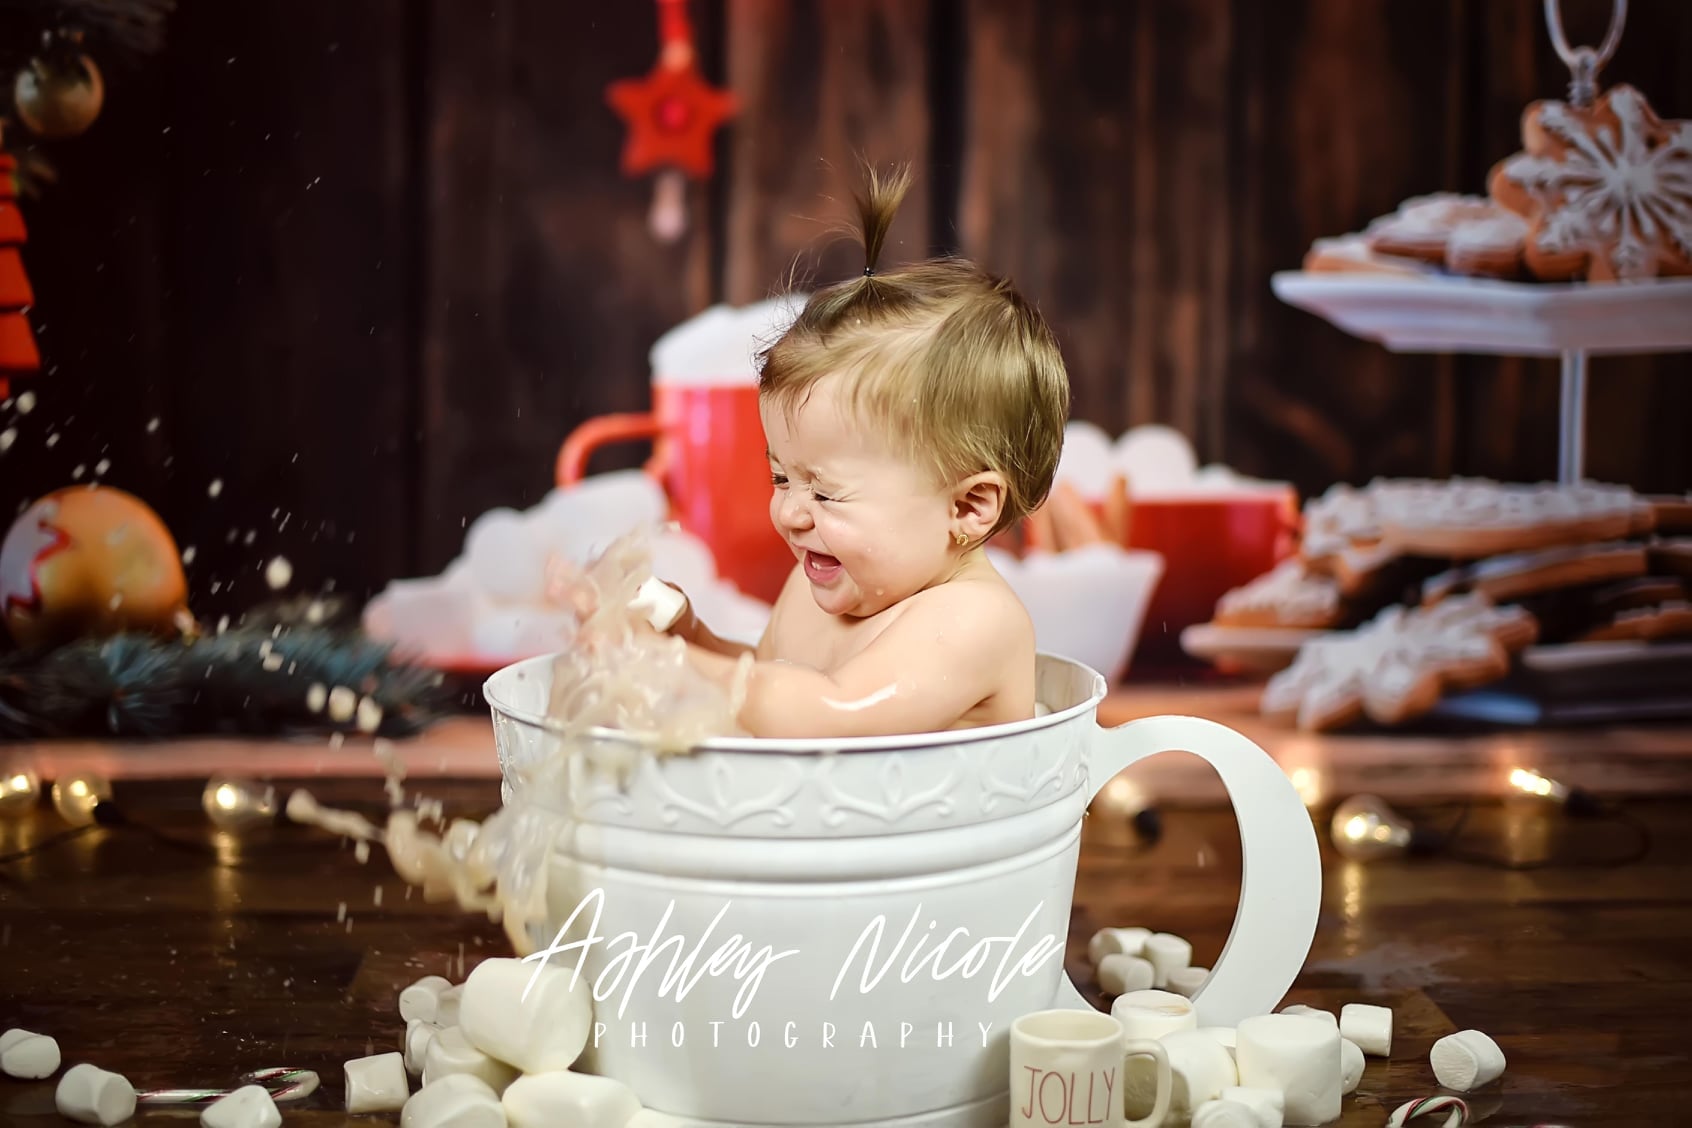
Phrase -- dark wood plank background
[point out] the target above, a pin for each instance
(367, 264)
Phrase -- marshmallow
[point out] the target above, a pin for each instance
(1120, 973)
(1224, 1114)
(662, 603)
(1152, 1014)
(450, 1052)
(1466, 1060)
(415, 1044)
(1351, 1065)
(652, 1118)
(1224, 1035)
(458, 1100)
(88, 1094)
(446, 1006)
(1187, 980)
(1370, 1027)
(376, 1083)
(1266, 1103)
(423, 998)
(1303, 1011)
(1199, 1069)
(582, 1100)
(29, 1058)
(1298, 1056)
(1167, 952)
(543, 1032)
(249, 1106)
(1116, 942)
(14, 1035)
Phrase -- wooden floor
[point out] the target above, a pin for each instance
(188, 962)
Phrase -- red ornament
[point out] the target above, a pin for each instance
(672, 113)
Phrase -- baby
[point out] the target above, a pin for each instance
(910, 416)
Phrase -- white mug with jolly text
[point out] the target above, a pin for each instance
(1068, 1067)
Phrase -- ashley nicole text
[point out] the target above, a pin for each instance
(629, 957)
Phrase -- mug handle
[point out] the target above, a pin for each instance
(1165, 1080)
(1281, 873)
(603, 431)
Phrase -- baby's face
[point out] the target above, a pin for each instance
(869, 528)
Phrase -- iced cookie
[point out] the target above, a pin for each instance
(1573, 613)
(1505, 579)
(1606, 191)
(1398, 665)
(1464, 234)
(1467, 519)
(1671, 515)
(1646, 624)
(1352, 254)
(1289, 595)
(1670, 556)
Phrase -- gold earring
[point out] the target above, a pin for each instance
(962, 540)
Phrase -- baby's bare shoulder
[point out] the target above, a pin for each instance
(984, 606)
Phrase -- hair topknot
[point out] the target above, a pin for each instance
(878, 203)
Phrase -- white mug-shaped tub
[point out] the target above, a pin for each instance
(842, 932)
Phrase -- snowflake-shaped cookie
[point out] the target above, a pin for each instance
(1607, 191)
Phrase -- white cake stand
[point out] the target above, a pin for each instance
(1447, 313)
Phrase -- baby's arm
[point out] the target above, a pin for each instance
(691, 629)
(922, 674)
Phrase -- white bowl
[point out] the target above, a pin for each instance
(1089, 602)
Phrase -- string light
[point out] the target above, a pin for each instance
(1364, 828)
(76, 797)
(20, 789)
(1528, 782)
(232, 804)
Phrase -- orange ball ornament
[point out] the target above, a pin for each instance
(90, 561)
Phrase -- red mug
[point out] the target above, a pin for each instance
(710, 455)
(1210, 543)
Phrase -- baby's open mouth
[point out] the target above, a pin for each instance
(820, 568)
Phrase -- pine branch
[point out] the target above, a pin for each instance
(250, 680)
(123, 27)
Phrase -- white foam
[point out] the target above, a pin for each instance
(719, 347)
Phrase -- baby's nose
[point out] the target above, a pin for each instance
(795, 513)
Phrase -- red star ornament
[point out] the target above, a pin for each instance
(671, 115)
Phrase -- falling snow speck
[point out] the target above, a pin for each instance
(7, 438)
(25, 402)
(101, 467)
(215, 488)
(188, 554)
(152, 424)
(278, 572)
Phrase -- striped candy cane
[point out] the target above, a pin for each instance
(281, 1083)
(1457, 1113)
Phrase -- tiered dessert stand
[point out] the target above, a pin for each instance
(1574, 321)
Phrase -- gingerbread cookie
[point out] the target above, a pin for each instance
(1646, 624)
(1513, 576)
(1352, 254)
(1671, 515)
(1288, 595)
(1469, 518)
(1463, 234)
(1670, 556)
(1398, 665)
(1606, 190)
(1572, 613)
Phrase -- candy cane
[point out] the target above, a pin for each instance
(281, 1083)
(1457, 1111)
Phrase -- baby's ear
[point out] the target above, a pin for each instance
(977, 503)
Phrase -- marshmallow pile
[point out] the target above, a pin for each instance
(1293, 1067)
(495, 1052)
(1152, 460)
(491, 603)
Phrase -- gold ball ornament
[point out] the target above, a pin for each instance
(90, 561)
(59, 94)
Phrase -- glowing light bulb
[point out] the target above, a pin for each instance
(20, 787)
(1530, 782)
(1365, 828)
(232, 803)
(75, 797)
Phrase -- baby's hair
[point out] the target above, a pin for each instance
(949, 359)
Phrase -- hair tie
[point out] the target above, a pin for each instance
(869, 271)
